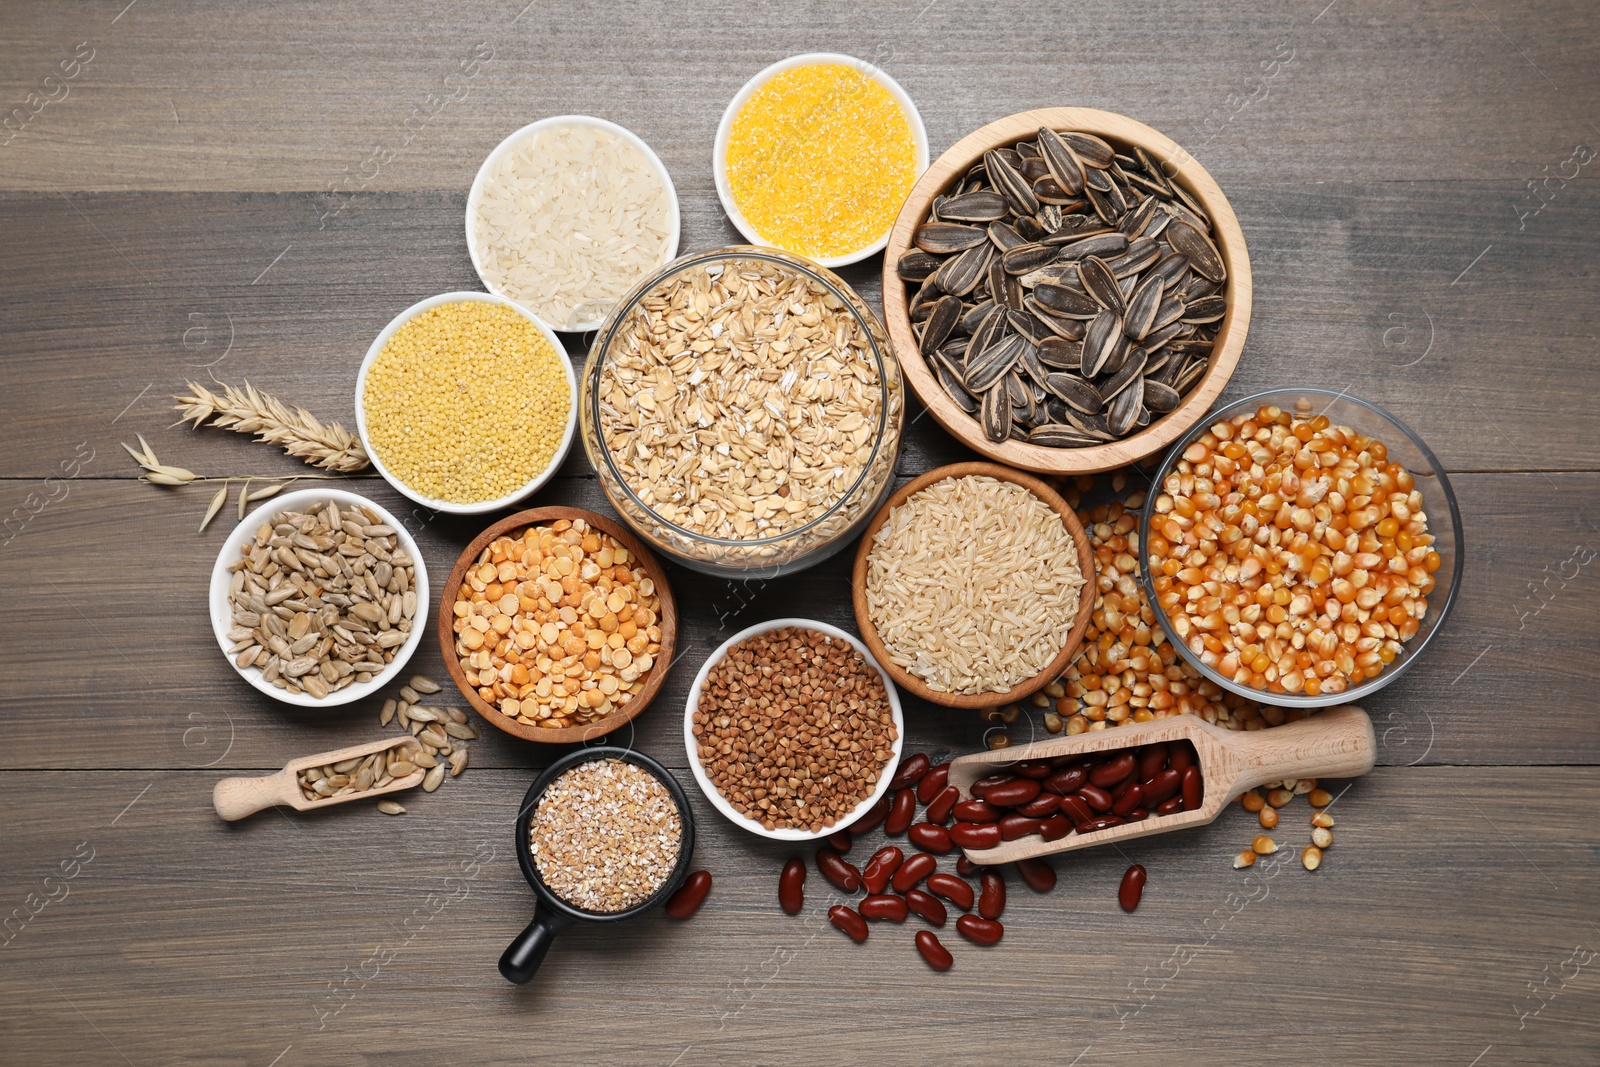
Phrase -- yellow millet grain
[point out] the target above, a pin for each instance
(467, 402)
(820, 160)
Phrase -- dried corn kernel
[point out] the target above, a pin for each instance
(468, 402)
(820, 160)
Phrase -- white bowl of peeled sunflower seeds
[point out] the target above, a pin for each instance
(793, 729)
(319, 597)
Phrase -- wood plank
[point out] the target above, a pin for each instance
(1357, 294)
(122, 670)
(357, 938)
(1353, 90)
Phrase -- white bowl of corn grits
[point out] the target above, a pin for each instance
(815, 155)
(466, 403)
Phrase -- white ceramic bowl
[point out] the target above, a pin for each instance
(719, 153)
(596, 312)
(222, 612)
(720, 802)
(480, 507)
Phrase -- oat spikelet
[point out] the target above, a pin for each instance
(298, 432)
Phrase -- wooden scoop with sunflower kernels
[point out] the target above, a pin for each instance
(234, 798)
(1334, 743)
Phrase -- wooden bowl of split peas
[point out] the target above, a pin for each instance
(548, 668)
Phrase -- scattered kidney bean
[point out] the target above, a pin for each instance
(979, 931)
(926, 906)
(880, 868)
(980, 788)
(1015, 826)
(901, 811)
(847, 920)
(1041, 806)
(1151, 760)
(975, 811)
(975, 835)
(913, 870)
(957, 891)
(1013, 793)
(791, 891)
(840, 841)
(1095, 797)
(1131, 798)
(1104, 822)
(687, 900)
(873, 817)
(934, 954)
(1132, 887)
(966, 868)
(1040, 876)
(1055, 827)
(1113, 770)
(1193, 788)
(941, 806)
(930, 838)
(836, 869)
(1170, 806)
(932, 783)
(1033, 769)
(991, 895)
(910, 772)
(1067, 781)
(884, 906)
(1162, 785)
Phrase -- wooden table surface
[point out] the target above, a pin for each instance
(254, 191)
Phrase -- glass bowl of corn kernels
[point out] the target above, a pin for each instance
(466, 403)
(1301, 547)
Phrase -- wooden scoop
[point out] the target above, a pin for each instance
(234, 798)
(1334, 743)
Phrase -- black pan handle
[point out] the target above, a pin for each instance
(521, 959)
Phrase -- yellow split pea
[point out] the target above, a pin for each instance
(467, 402)
(820, 160)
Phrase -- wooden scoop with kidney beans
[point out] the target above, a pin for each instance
(1111, 785)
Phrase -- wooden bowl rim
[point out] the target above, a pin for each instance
(1086, 564)
(1230, 241)
(566, 734)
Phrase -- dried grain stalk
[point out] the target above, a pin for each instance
(298, 432)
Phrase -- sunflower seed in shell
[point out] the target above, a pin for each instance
(1028, 326)
(1061, 161)
(1105, 245)
(1142, 308)
(1064, 301)
(1189, 376)
(1090, 149)
(960, 274)
(1028, 257)
(990, 329)
(993, 363)
(1141, 254)
(1206, 309)
(1204, 258)
(1032, 366)
(974, 315)
(981, 206)
(1010, 183)
(1061, 435)
(1123, 413)
(1099, 342)
(950, 381)
(1100, 283)
(1170, 311)
(1057, 324)
(1004, 236)
(1135, 222)
(1059, 354)
(995, 414)
(1159, 396)
(948, 237)
(917, 266)
(940, 322)
(1125, 375)
(1078, 394)
(1170, 268)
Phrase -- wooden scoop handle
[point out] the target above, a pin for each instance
(234, 798)
(1334, 743)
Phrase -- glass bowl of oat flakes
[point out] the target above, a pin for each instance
(743, 411)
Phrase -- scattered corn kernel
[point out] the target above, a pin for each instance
(1322, 837)
(1269, 818)
(999, 741)
(1253, 801)
(1320, 798)
(1264, 845)
(1322, 818)
(1279, 797)
(1247, 858)
(1311, 858)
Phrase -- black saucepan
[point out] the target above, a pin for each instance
(522, 957)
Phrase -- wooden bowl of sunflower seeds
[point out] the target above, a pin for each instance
(1067, 289)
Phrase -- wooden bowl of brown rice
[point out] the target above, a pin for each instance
(973, 585)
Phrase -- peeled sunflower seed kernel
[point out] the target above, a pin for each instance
(424, 684)
(389, 807)
(433, 778)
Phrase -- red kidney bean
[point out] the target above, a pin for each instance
(1132, 887)
(687, 900)
(840, 841)
(1102, 823)
(930, 784)
(975, 811)
(956, 890)
(1152, 759)
(940, 807)
(1181, 757)
(1074, 808)
(1055, 827)
(934, 954)
(1068, 781)
(1032, 769)
(1041, 806)
(930, 838)
(791, 891)
(1127, 784)
(847, 920)
(1137, 815)
(910, 772)
(873, 817)
(926, 906)
(880, 868)
(837, 870)
(1112, 770)
(1013, 793)
(1161, 786)
(1193, 788)
(1096, 798)
(1129, 800)
(913, 870)
(991, 895)
(975, 835)
(884, 906)
(967, 869)
(979, 931)
(1170, 806)
(981, 787)
(1040, 876)
(1015, 826)
(901, 811)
